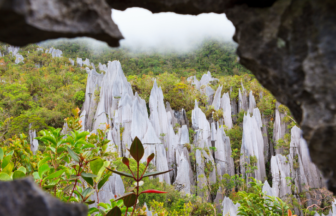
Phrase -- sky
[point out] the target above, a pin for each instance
(144, 30)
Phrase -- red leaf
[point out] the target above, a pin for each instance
(152, 191)
(125, 161)
(150, 158)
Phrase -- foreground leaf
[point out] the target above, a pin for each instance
(55, 174)
(43, 169)
(114, 212)
(137, 150)
(150, 158)
(130, 200)
(18, 174)
(121, 173)
(96, 165)
(88, 175)
(153, 191)
(124, 195)
(4, 177)
(73, 155)
(103, 181)
(155, 173)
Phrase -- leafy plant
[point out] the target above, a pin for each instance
(136, 151)
(256, 202)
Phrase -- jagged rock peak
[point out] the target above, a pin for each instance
(217, 98)
(102, 67)
(226, 106)
(72, 62)
(223, 154)
(194, 81)
(79, 62)
(252, 145)
(182, 182)
(33, 142)
(267, 189)
(86, 62)
(14, 50)
(54, 52)
(206, 79)
(229, 208)
(18, 58)
(252, 103)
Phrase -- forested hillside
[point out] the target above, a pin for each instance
(217, 57)
(210, 138)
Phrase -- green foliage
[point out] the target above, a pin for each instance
(137, 151)
(255, 202)
(284, 144)
(79, 97)
(235, 134)
(217, 57)
(42, 91)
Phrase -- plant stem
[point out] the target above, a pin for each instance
(73, 189)
(126, 211)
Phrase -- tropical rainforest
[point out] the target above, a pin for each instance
(46, 94)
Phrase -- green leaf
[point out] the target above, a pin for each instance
(121, 173)
(55, 174)
(114, 212)
(36, 176)
(44, 160)
(42, 169)
(4, 177)
(9, 168)
(130, 200)
(18, 174)
(89, 202)
(103, 181)
(68, 188)
(102, 169)
(1, 154)
(104, 205)
(155, 173)
(124, 195)
(49, 186)
(22, 169)
(93, 210)
(137, 150)
(73, 155)
(88, 175)
(87, 192)
(52, 149)
(96, 165)
(88, 180)
(5, 161)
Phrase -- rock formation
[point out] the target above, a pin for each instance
(54, 52)
(227, 112)
(72, 62)
(36, 21)
(252, 146)
(229, 208)
(23, 197)
(33, 142)
(18, 58)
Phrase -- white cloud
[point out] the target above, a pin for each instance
(169, 31)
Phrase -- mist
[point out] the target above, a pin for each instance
(169, 32)
(162, 32)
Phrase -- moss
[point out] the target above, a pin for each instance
(188, 146)
(208, 168)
